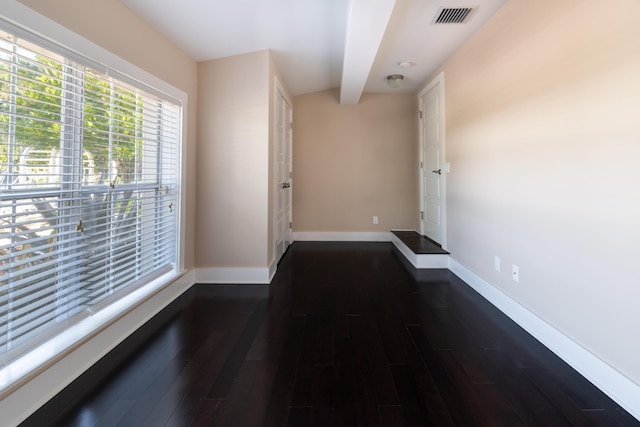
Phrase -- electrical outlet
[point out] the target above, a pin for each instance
(497, 263)
(515, 273)
(375, 219)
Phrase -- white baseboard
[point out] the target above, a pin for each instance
(614, 384)
(248, 276)
(420, 261)
(341, 236)
(272, 270)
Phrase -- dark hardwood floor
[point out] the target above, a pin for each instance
(346, 335)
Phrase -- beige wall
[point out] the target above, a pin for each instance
(122, 33)
(233, 162)
(543, 137)
(351, 162)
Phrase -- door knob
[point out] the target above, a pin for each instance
(439, 171)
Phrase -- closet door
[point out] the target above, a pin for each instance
(283, 173)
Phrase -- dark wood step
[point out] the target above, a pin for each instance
(419, 251)
(418, 244)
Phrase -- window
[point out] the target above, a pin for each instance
(89, 173)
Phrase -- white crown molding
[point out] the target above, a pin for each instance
(614, 384)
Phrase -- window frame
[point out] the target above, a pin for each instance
(91, 55)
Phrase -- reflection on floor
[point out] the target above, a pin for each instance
(348, 334)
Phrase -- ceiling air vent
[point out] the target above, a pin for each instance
(453, 15)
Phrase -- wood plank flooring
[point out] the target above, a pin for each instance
(346, 335)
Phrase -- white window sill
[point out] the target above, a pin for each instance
(31, 363)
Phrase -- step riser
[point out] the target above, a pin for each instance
(422, 261)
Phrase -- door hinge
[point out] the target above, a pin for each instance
(291, 125)
(422, 215)
(290, 225)
(420, 114)
(421, 165)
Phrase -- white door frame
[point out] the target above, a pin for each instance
(279, 91)
(437, 81)
(289, 144)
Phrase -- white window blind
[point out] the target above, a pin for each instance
(88, 191)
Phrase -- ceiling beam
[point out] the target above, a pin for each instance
(366, 24)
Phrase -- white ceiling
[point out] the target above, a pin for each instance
(320, 44)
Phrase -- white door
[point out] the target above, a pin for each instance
(288, 166)
(432, 170)
(283, 174)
